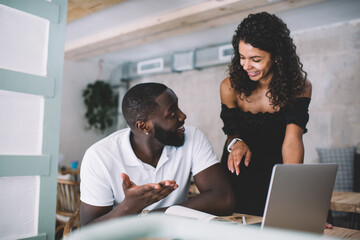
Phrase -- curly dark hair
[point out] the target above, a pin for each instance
(139, 102)
(269, 33)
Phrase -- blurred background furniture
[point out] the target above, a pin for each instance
(193, 190)
(72, 224)
(67, 173)
(68, 201)
(357, 169)
(348, 202)
(346, 183)
(65, 170)
(344, 157)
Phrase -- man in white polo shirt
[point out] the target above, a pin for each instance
(149, 165)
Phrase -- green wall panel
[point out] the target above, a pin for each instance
(12, 165)
(51, 128)
(26, 83)
(38, 237)
(41, 8)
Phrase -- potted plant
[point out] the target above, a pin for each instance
(101, 105)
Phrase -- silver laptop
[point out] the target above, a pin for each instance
(299, 196)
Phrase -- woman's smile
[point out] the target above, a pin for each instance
(256, 62)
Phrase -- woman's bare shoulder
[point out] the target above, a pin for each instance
(308, 89)
(226, 84)
(227, 93)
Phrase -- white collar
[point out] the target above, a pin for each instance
(130, 159)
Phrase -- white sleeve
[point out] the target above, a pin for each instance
(95, 187)
(203, 153)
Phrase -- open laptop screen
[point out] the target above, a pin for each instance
(299, 196)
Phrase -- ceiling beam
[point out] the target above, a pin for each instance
(80, 8)
(198, 17)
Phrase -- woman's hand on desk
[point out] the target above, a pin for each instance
(138, 197)
(328, 226)
(238, 151)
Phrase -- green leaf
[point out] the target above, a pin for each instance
(101, 103)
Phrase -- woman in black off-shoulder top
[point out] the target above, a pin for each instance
(265, 104)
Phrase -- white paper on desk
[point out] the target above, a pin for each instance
(188, 212)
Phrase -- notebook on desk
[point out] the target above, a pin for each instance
(299, 196)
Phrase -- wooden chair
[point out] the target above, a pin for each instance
(68, 201)
(193, 190)
(72, 224)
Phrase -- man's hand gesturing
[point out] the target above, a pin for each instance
(139, 197)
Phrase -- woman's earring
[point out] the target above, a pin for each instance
(147, 133)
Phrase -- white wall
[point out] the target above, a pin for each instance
(331, 55)
(74, 137)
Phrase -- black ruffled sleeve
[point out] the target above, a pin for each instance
(298, 112)
(230, 120)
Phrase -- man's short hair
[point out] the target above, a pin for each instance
(139, 102)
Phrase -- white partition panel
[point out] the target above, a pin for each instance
(21, 213)
(29, 56)
(21, 129)
(31, 66)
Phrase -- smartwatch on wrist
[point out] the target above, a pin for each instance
(232, 143)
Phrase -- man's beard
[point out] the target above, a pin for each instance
(168, 137)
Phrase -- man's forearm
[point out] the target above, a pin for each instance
(215, 202)
(91, 214)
